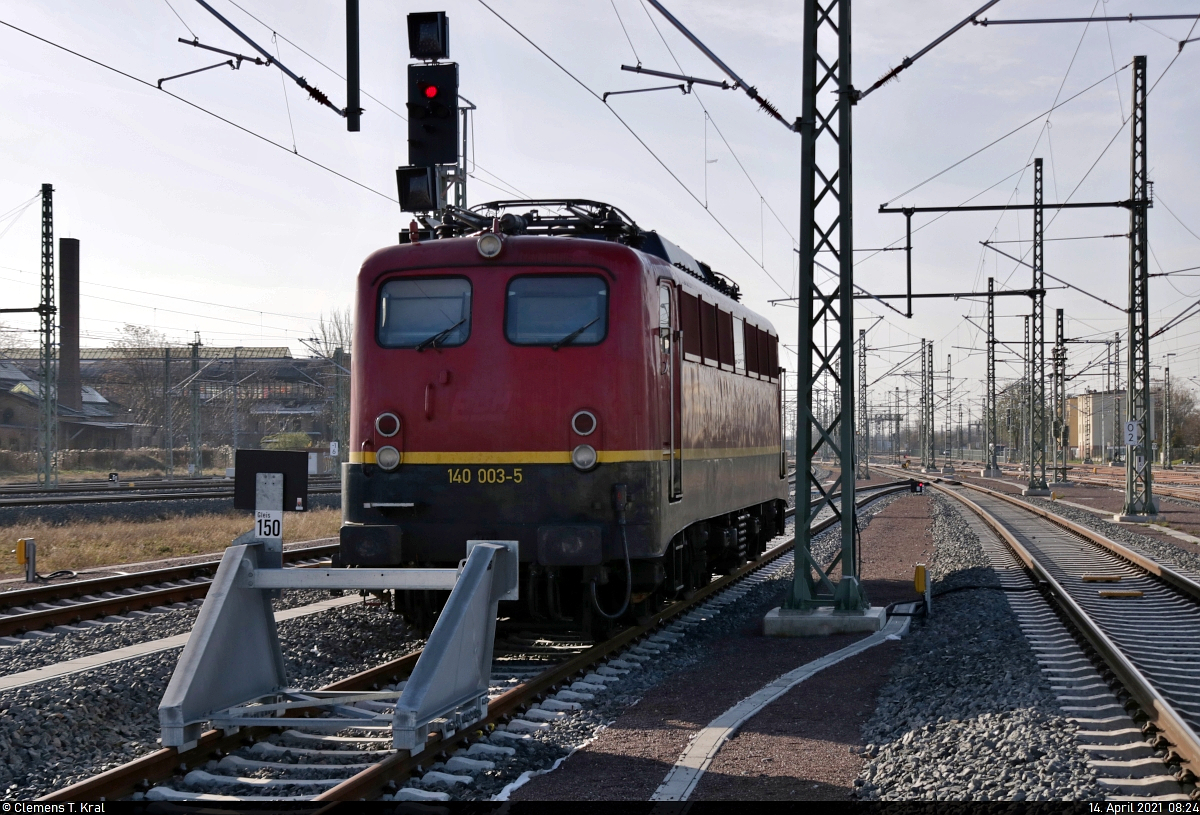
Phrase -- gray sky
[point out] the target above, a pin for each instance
(168, 200)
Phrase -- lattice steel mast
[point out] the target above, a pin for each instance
(990, 469)
(864, 437)
(48, 416)
(930, 432)
(924, 430)
(197, 464)
(1037, 348)
(948, 467)
(1139, 498)
(1061, 429)
(1166, 451)
(826, 225)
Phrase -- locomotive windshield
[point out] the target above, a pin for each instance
(556, 311)
(429, 312)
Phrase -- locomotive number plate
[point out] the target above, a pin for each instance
(484, 475)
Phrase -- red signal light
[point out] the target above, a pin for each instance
(431, 91)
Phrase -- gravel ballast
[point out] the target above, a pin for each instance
(1164, 552)
(967, 714)
(59, 732)
(41, 651)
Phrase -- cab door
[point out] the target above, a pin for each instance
(670, 357)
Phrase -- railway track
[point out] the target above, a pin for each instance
(51, 498)
(135, 484)
(358, 764)
(67, 604)
(1141, 618)
(1181, 486)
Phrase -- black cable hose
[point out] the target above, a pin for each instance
(628, 585)
(60, 574)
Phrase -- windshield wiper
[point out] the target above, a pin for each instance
(438, 337)
(570, 338)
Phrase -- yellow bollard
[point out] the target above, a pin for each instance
(922, 585)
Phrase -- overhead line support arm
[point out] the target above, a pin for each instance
(299, 80)
(743, 84)
(890, 75)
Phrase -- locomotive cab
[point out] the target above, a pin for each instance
(544, 389)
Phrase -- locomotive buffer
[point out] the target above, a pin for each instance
(231, 673)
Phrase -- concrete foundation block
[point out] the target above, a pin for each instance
(989, 473)
(822, 622)
(1135, 519)
(1028, 491)
(947, 470)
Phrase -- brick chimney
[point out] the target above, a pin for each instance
(70, 391)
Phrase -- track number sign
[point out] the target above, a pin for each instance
(268, 524)
(1131, 433)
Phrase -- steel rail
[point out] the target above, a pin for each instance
(1160, 712)
(49, 500)
(127, 778)
(135, 484)
(74, 612)
(372, 782)
(1164, 573)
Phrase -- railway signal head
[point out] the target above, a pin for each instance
(419, 189)
(433, 133)
(429, 35)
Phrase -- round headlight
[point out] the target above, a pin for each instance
(584, 457)
(387, 424)
(489, 245)
(388, 458)
(584, 423)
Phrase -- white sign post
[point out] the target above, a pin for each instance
(268, 517)
(1131, 434)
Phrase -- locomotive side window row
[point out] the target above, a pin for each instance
(556, 311)
(416, 312)
(716, 337)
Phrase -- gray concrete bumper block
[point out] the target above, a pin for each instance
(822, 622)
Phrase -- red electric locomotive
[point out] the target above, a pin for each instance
(561, 378)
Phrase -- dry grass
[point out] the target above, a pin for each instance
(90, 544)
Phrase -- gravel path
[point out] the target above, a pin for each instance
(642, 768)
(59, 732)
(967, 714)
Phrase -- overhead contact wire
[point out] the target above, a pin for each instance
(639, 139)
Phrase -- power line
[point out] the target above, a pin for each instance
(633, 133)
(627, 37)
(729, 147)
(160, 308)
(218, 116)
(1158, 199)
(374, 99)
(173, 297)
(1006, 135)
(185, 25)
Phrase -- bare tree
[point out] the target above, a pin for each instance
(13, 338)
(135, 378)
(335, 331)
